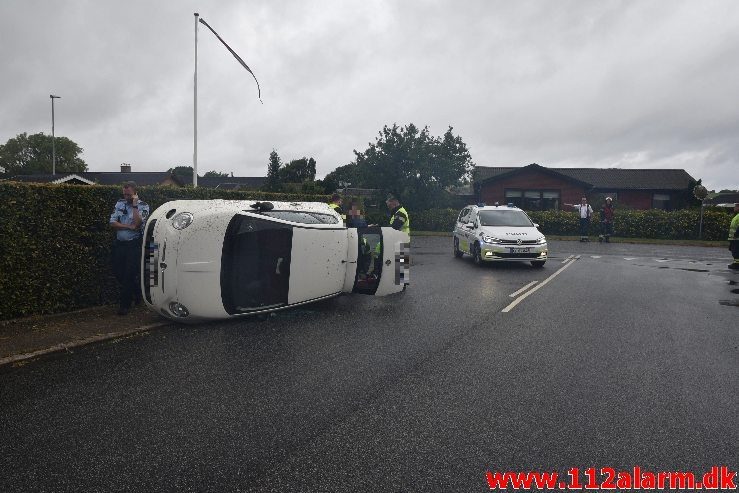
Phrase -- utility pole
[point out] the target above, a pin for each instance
(53, 137)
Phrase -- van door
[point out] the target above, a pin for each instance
(383, 256)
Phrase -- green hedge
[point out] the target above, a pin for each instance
(55, 242)
(678, 225)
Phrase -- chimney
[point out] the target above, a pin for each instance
(125, 168)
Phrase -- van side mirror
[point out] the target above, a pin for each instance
(469, 225)
(536, 225)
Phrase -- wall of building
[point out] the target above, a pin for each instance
(569, 192)
(636, 199)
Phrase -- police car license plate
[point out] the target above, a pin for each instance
(520, 250)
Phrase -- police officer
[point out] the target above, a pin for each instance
(335, 204)
(399, 218)
(734, 238)
(128, 220)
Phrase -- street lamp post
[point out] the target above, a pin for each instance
(53, 137)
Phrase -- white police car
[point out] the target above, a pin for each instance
(214, 259)
(499, 233)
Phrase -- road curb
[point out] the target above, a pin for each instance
(8, 360)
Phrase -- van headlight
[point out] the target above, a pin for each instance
(178, 310)
(490, 239)
(182, 220)
(541, 241)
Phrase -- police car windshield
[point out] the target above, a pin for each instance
(504, 218)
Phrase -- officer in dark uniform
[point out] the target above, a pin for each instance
(128, 220)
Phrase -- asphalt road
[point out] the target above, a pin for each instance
(628, 356)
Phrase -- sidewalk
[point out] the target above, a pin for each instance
(26, 338)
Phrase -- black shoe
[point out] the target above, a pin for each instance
(122, 312)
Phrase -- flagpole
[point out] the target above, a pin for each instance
(195, 112)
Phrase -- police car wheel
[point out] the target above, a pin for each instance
(476, 255)
(457, 252)
(538, 263)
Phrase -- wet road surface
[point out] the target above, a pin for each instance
(624, 357)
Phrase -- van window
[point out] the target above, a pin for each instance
(301, 217)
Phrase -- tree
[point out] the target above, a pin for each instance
(184, 172)
(273, 172)
(298, 171)
(32, 154)
(216, 174)
(349, 173)
(414, 164)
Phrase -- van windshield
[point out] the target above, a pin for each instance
(505, 218)
(301, 217)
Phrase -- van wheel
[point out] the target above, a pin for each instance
(457, 252)
(538, 263)
(476, 254)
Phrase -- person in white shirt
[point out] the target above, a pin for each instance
(586, 212)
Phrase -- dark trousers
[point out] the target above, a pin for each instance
(734, 248)
(126, 265)
(584, 223)
(607, 228)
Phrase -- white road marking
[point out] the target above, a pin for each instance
(595, 256)
(526, 294)
(568, 258)
(513, 295)
(629, 258)
(661, 260)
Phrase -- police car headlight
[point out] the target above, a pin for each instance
(541, 241)
(178, 310)
(490, 239)
(182, 220)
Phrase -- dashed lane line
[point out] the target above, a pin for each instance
(513, 295)
(544, 282)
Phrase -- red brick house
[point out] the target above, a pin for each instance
(535, 187)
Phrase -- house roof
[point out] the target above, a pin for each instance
(102, 178)
(604, 178)
(724, 198)
(141, 178)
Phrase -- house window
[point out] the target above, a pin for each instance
(550, 201)
(514, 197)
(603, 195)
(661, 201)
(533, 200)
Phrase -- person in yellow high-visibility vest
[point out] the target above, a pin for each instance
(734, 238)
(399, 218)
(335, 204)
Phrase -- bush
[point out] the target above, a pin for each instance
(55, 242)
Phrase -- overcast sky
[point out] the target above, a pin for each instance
(579, 83)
